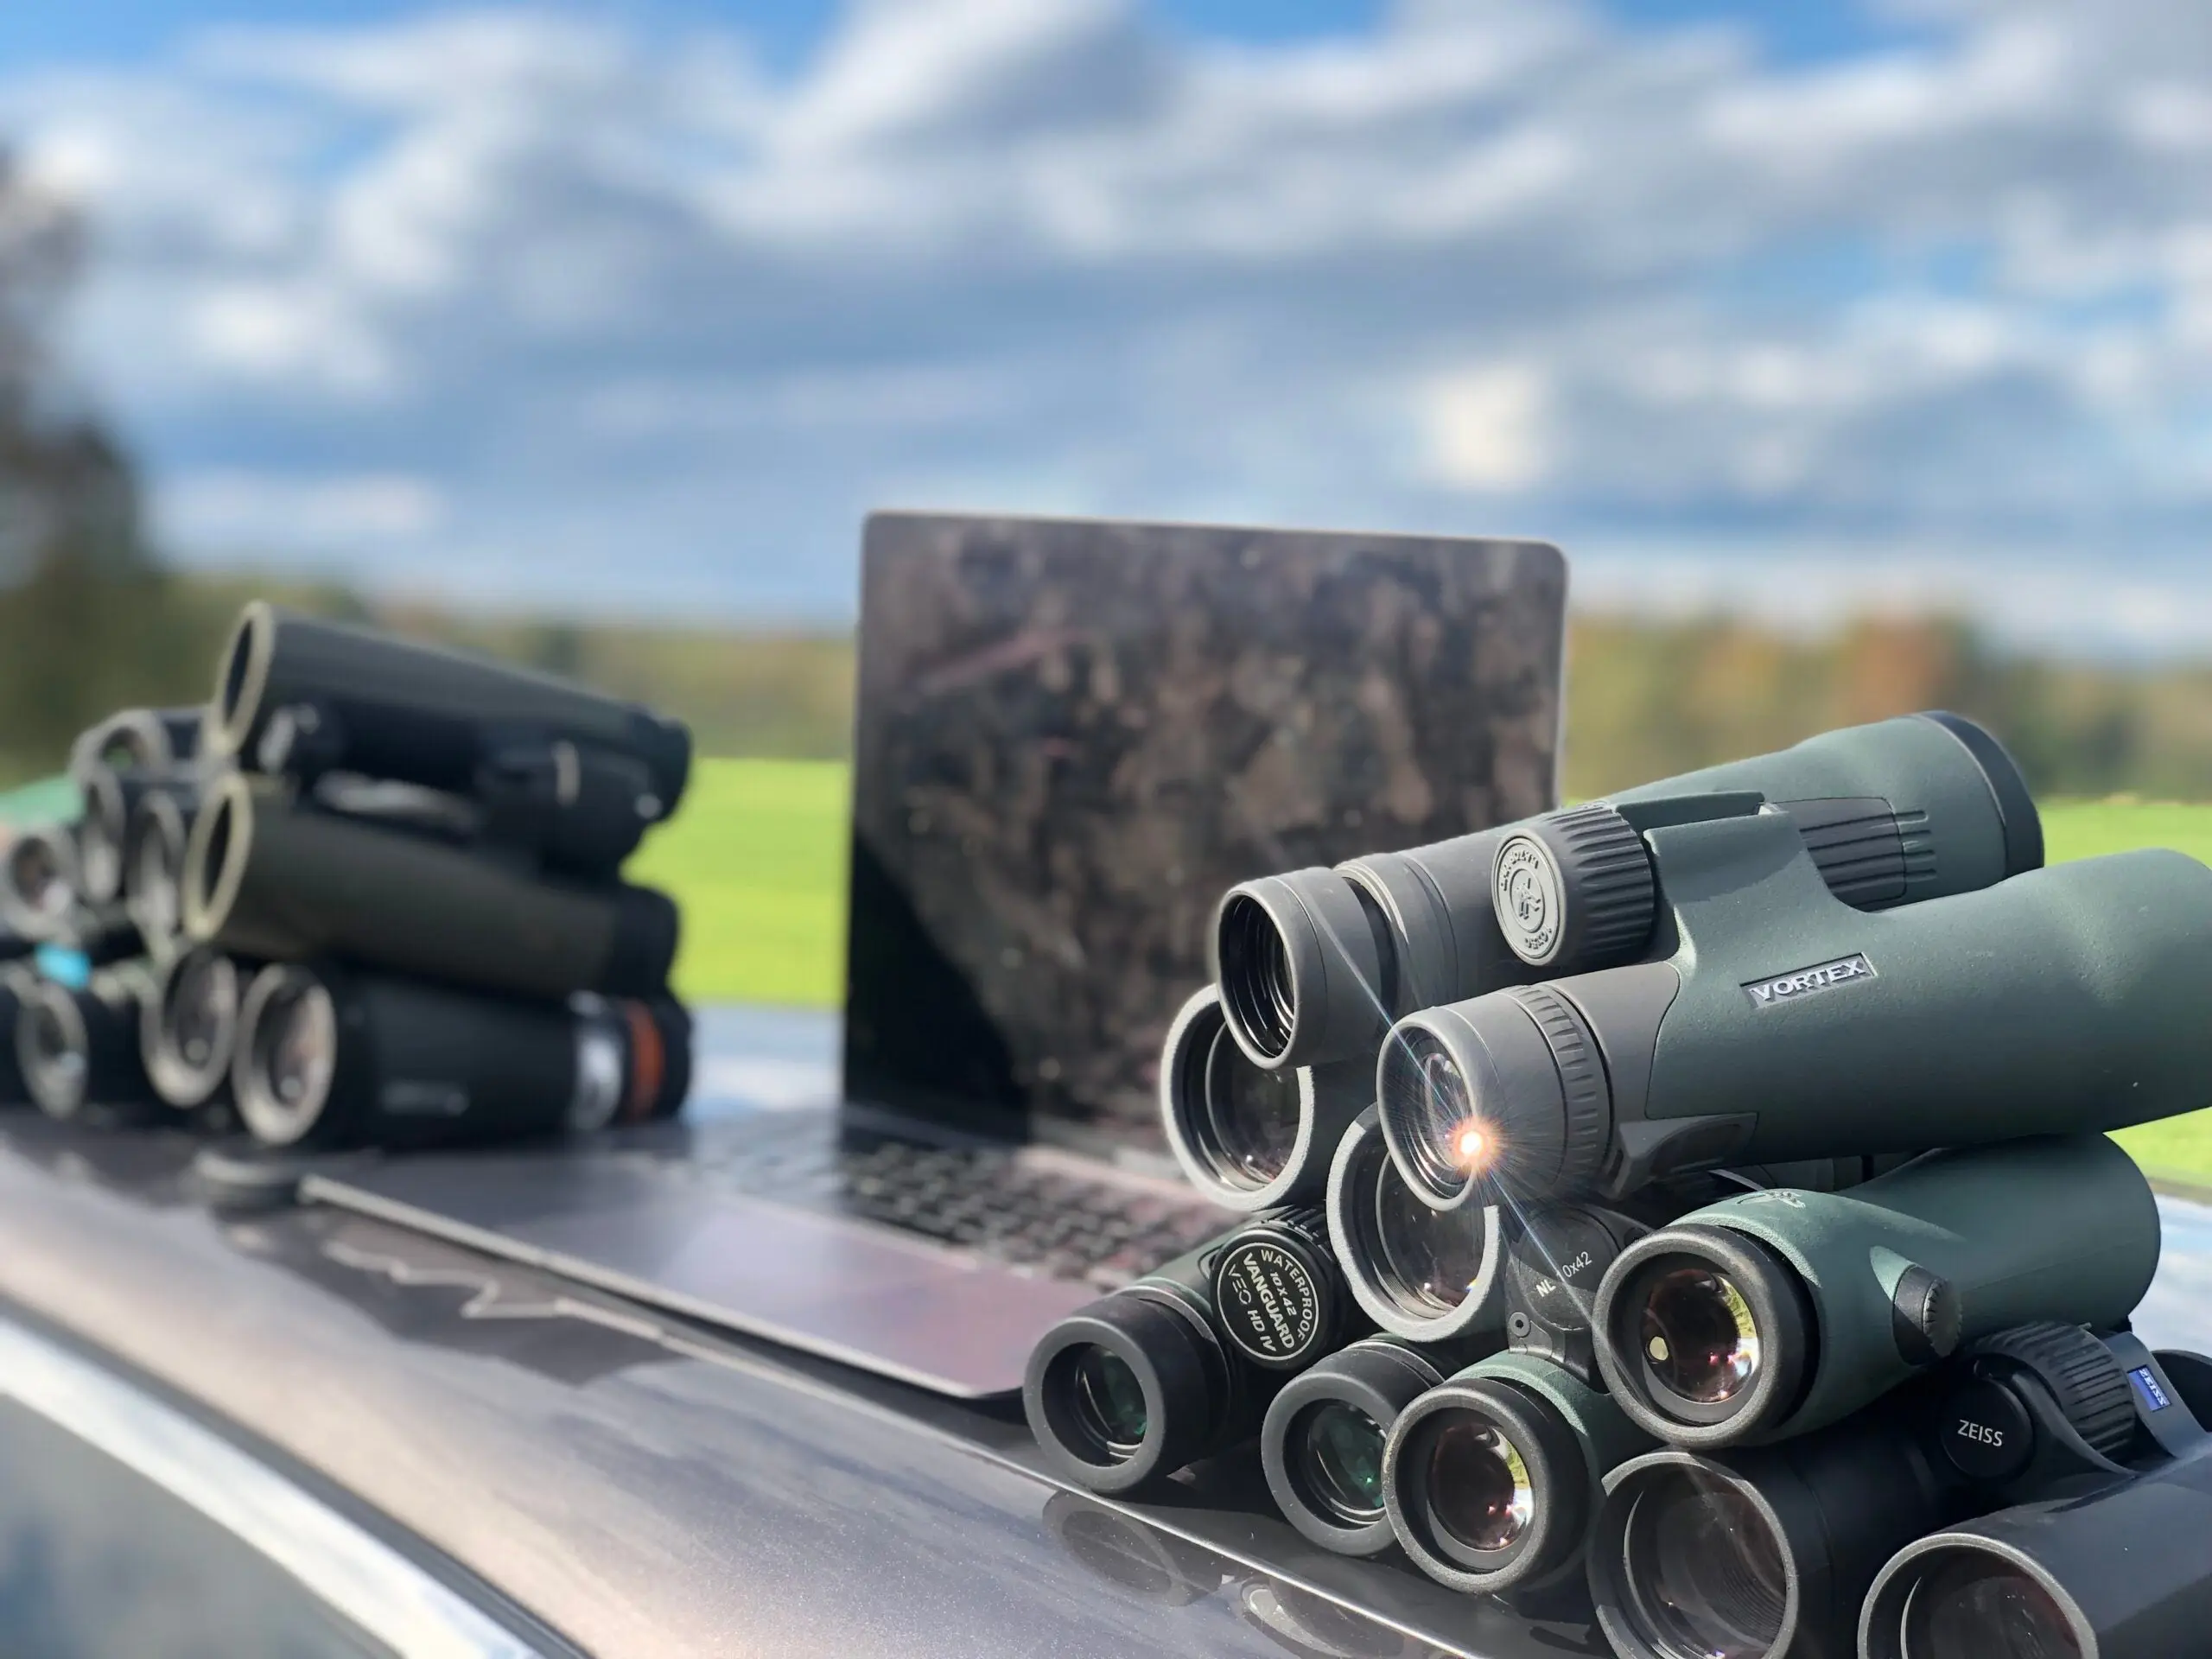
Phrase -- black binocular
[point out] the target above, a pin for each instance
(269, 874)
(572, 777)
(1800, 1548)
(334, 1056)
(1182, 1363)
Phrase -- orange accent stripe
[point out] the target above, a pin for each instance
(648, 1064)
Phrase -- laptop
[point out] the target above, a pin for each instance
(1073, 736)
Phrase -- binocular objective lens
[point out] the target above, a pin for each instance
(154, 882)
(1340, 1457)
(1699, 1340)
(36, 875)
(1477, 1485)
(299, 1049)
(1109, 1401)
(1255, 975)
(1704, 1573)
(1426, 1094)
(1251, 1115)
(54, 1049)
(1975, 1607)
(201, 1008)
(1433, 1257)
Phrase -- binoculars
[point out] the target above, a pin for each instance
(1182, 1363)
(1723, 1167)
(1861, 1529)
(2112, 1565)
(329, 1056)
(157, 831)
(1314, 965)
(267, 874)
(114, 765)
(1773, 1313)
(2057, 1001)
(572, 777)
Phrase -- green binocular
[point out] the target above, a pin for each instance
(1315, 964)
(1491, 1480)
(1773, 1313)
(1787, 1024)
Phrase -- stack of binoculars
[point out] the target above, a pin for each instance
(1694, 1207)
(370, 895)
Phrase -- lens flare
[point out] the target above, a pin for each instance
(1475, 1146)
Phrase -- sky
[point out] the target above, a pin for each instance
(636, 308)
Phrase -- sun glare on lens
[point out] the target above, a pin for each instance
(1474, 1147)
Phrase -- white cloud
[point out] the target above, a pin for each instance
(253, 514)
(1487, 428)
(626, 302)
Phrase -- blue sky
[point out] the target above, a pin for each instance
(638, 306)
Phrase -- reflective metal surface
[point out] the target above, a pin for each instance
(126, 1527)
(644, 1488)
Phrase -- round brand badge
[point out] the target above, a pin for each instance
(1527, 899)
(1269, 1305)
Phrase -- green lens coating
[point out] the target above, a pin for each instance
(1340, 1455)
(1109, 1401)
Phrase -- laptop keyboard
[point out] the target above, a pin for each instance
(992, 1200)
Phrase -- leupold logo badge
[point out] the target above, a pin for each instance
(1796, 986)
(1527, 897)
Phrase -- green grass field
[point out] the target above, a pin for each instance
(758, 858)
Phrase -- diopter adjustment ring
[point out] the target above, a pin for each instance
(1575, 891)
(2085, 1380)
(1587, 1114)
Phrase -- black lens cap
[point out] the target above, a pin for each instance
(1988, 1433)
(1278, 1293)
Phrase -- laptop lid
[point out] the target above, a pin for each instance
(1074, 735)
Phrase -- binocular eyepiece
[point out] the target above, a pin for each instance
(1251, 1139)
(159, 829)
(1322, 1443)
(113, 765)
(1491, 1480)
(1425, 1274)
(1182, 1363)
